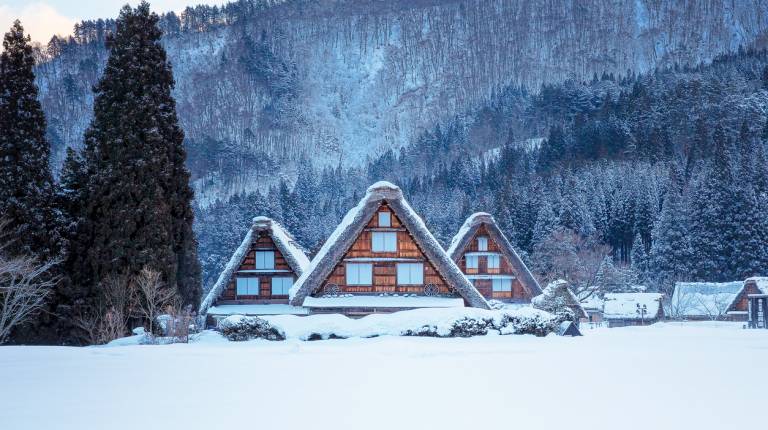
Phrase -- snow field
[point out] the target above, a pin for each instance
(671, 375)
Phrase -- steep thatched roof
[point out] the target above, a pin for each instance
(467, 232)
(294, 255)
(353, 224)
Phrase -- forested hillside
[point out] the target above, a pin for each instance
(261, 83)
(640, 180)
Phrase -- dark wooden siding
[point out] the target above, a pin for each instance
(484, 286)
(384, 272)
(262, 243)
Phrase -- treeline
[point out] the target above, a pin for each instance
(198, 18)
(115, 234)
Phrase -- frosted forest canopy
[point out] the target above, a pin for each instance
(585, 136)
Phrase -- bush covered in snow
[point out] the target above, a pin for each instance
(468, 327)
(239, 328)
(446, 322)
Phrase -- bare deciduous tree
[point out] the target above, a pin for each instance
(24, 286)
(152, 296)
(584, 262)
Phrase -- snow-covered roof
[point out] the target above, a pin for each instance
(294, 255)
(467, 232)
(390, 301)
(761, 282)
(352, 225)
(559, 288)
(703, 299)
(624, 305)
(269, 309)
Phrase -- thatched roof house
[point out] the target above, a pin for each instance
(259, 274)
(487, 258)
(382, 258)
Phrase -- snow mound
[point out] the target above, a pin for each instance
(442, 322)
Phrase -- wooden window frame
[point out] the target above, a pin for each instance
(264, 253)
(384, 235)
(348, 269)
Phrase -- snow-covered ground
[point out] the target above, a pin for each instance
(670, 375)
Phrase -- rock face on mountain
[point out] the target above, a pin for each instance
(259, 87)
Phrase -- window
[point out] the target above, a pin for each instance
(502, 285)
(472, 262)
(247, 286)
(493, 261)
(482, 243)
(384, 241)
(410, 274)
(281, 285)
(385, 219)
(359, 274)
(265, 259)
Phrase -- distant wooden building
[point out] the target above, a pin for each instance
(752, 300)
(259, 275)
(628, 309)
(382, 258)
(489, 261)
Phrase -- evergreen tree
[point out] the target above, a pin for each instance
(671, 253)
(712, 216)
(138, 211)
(26, 185)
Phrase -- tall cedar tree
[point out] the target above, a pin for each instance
(138, 206)
(26, 185)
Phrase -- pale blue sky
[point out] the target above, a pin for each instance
(44, 18)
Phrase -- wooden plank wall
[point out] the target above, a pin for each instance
(484, 286)
(385, 272)
(262, 243)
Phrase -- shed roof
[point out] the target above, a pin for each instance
(703, 299)
(624, 305)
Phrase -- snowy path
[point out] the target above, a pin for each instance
(665, 376)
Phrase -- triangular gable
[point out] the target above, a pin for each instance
(352, 226)
(754, 285)
(285, 243)
(468, 231)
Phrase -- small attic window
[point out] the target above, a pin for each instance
(482, 243)
(385, 219)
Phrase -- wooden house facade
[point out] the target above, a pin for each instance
(382, 258)
(258, 277)
(487, 258)
(752, 302)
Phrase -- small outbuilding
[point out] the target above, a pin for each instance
(557, 294)
(701, 301)
(628, 309)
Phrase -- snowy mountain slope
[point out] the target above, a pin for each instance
(340, 81)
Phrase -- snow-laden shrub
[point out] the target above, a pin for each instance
(423, 331)
(240, 328)
(468, 327)
(496, 304)
(535, 323)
